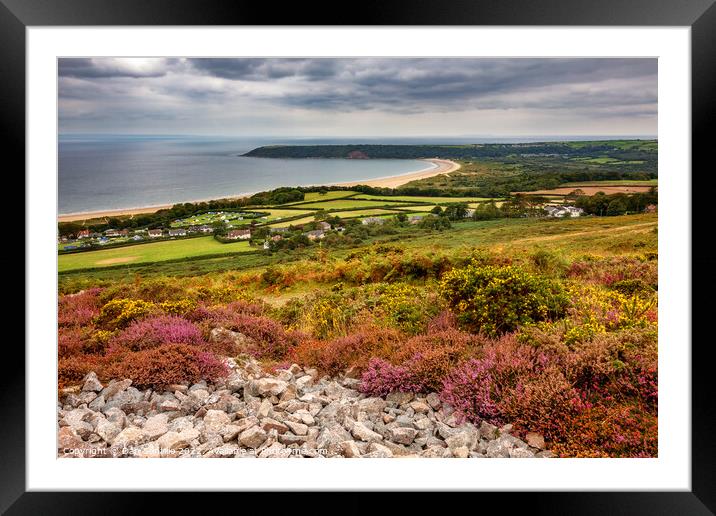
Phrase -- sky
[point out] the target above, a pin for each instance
(359, 97)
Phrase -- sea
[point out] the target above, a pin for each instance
(107, 172)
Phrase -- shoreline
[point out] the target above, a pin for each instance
(441, 166)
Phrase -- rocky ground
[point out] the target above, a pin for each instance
(253, 414)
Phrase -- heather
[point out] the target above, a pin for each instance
(551, 340)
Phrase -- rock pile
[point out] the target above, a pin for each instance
(293, 413)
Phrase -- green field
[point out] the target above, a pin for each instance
(343, 204)
(365, 213)
(153, 252)
(277, 214)
(297, 222)
(624, 182)
(326, 196)
(434, 200)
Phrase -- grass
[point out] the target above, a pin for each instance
(624, 182)
(578, 236)
(365, 213)
(343, 204)
(434, 200)
(277, 214)
(145, 253)
(297, 222)
(327, 196)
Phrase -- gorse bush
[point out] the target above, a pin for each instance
(496, 300)
(568, 350)
(119, 313)
(407, 307)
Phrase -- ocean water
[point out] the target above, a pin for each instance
(104, 173)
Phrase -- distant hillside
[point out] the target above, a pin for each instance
(644, 150)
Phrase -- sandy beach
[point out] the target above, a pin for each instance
(443, 166)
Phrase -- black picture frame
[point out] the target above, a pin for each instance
(699, 15)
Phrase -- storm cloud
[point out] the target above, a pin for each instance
(354, 96)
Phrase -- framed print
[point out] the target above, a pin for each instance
(419, 240)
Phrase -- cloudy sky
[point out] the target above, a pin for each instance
(325, 97)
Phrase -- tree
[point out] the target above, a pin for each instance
(617, 207)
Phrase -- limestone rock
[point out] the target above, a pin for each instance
(91, 383)
(253, 437)
(402, 435)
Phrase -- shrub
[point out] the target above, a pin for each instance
(179, 307)
(622, 430)
(270, 340)
(444, 321)
(352, 351)
(469, 389)
(381, 378)
(167, 364)
(547, 262)
(154, 331)
(72, 341)
(78, 309)
(118, 313)
(71, 370)
(421, 363)
(612, 271)
(496, 300)
(407, 307)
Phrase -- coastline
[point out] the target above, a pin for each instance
(441, 166)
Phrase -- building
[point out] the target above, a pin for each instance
(83, 233)
(563, 211)
(372, 220)
(154, 233)
(316, 234)
(414, 219)
(205, 229)
(651, 209)
(276, 238)
(239, 234)
(325, 226)
(177, 232)
(111, 233)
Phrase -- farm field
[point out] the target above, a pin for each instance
(589, 190)
(570, 237)
(326, 196)
(296, 222)
(364, 213)
(152, 252)
(623, 182)
(342, 204)
(210, 218)
(276, 214)
(434, 200)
